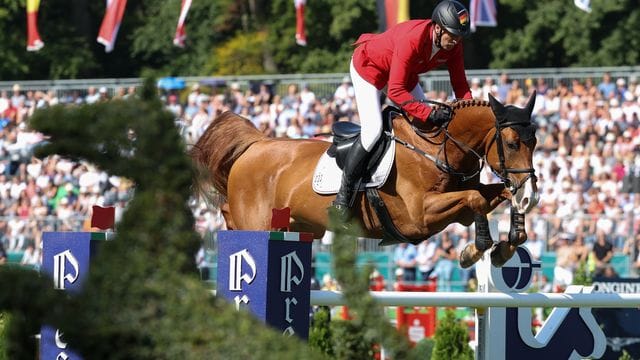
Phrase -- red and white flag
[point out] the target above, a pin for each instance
(111, 23)
(181, 35)
(301, 36)
(34, 43)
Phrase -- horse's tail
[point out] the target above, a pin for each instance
(224, 141)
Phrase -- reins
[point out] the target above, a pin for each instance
(444, 166)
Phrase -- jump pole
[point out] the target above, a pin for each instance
(474, 300)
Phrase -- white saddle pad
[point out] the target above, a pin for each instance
(327, 176)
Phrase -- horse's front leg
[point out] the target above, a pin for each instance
(494, 194)
(442, 209)
(504, 250)
(517, 236)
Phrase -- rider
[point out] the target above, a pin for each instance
(393, 60)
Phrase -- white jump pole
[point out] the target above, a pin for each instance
(475, 300)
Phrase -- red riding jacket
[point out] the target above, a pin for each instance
(397, 56)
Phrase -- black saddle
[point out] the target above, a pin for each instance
(345, 134)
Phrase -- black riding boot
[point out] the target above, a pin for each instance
(352, 172)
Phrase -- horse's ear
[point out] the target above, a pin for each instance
(531, 102)
(496, 106)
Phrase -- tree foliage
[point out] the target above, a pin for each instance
(451, 339)
(556, 33)
(548, 33)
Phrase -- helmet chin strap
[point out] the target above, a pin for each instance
(439, 38)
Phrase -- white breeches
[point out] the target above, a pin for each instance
(370, 109)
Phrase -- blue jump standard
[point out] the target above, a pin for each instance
(269, 274)
(66, 258)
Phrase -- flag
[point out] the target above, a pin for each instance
(111, 23)
(280, 219)
(584, 5)
(181, 35)
(34, 43)
(391, 12)
(483, 13)
(301, 36)
(103, 217)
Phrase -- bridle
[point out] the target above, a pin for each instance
(504, 172)
(443, 165)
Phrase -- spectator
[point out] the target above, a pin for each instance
(344, 97)
(264, 96)
(489, 87)
(515, 94)
(307, 99)
(92, 96)
(565, 262)
(445, 257)
(405, 258)
(376, 281)
(31, 255)
(606, 88)
(476, 90)
(504, 86)
(609, 272)
(534, 245)
(173, 105)
(580, 249)
(194, 94)
(103, 94)
(426, 258)
(131, 92)
(17, 97)
(602, 252)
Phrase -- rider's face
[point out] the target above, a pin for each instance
(448, 40)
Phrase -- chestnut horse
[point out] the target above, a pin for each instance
(433, 183)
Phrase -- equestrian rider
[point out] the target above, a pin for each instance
(393, 60)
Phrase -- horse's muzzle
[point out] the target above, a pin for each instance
(526, 197)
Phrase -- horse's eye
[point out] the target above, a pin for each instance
(512, 145)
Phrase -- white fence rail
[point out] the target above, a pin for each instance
(461, 299)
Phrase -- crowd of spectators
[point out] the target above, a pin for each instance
(587, 162)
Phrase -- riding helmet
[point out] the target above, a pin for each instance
(452, 16)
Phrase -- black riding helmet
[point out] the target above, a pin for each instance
(452, 16)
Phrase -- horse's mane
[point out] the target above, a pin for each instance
(461, 104)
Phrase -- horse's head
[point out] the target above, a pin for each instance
(511, 153)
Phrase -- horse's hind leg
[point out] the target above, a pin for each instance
(474, 251)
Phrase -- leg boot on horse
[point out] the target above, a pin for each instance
(351, 179)
(473, 252)
(504, 250)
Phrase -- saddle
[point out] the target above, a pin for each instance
(345, 134)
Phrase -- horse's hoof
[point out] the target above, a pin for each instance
(470, 255)
(498, 256)
(517, 238)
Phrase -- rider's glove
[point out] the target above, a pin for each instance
(439, 116)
